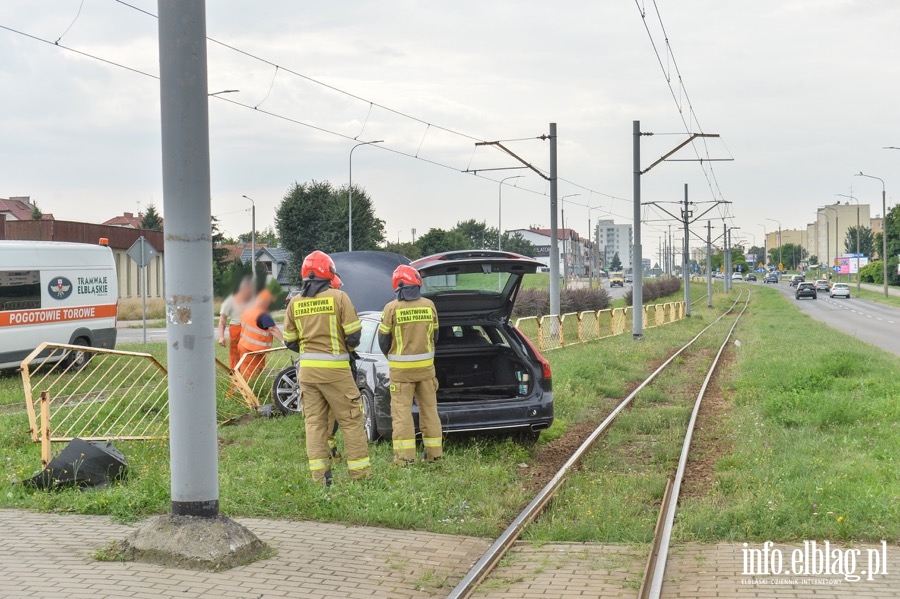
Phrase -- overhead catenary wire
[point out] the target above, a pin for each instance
(371, 103)
(312, 126)
(711, 180)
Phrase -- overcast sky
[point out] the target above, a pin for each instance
(803, 92)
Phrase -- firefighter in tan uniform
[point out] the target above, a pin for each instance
(407, 333)
(321, 324)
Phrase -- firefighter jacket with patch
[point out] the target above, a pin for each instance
(326, 328)
(412, 327)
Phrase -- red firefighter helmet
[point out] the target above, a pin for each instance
(318, 265)
(336, 282)
(406, 276)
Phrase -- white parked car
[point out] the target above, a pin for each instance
(736, 277)
(840, 290)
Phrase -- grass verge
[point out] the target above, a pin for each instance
(809, 445)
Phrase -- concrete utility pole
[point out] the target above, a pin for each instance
(554, 227)
(186, 201)
(204, 538)
(685, 263)
(709, 289)
(884, 232)
(637, 295)
(637, 291)
(726, 276)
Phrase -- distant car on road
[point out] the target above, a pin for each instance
(751, 277)
(629, 278)
(796, 280)
(616, 279)
(805, 289)
(840, 290)
(822, 285)
(770, 278)
(736, 276)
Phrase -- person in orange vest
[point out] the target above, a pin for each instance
(230, 316)
(258, 328)
(322, 325)
(406, 335)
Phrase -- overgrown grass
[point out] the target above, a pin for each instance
(811, 440)
(477, 490)
(817, 432)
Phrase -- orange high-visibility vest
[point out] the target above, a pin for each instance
(253, 338)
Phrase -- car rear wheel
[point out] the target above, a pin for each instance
(76, 360)
(286, 392)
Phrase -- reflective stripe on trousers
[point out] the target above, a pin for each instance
(360, 464)
(431, 441)
(319, 464)
(405, 444)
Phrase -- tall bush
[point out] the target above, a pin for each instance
(536, 302)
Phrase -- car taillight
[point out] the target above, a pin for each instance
(546, 371)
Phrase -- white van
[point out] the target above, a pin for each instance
(55, 292)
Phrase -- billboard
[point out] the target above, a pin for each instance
(850, 265)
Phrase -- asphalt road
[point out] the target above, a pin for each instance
(868, 321)
(126, 335)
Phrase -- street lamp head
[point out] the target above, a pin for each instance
(224, 91)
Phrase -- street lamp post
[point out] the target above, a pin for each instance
(500, 210)
(780, 256)
(765, 259)
(884, 231)
(252, 239)
(828, 235)
(595, 251)
(350, 194)
(857, 236)
(562, 201)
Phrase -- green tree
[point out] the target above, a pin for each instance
(36, 213)
(813, 259)
(616, 263)
(407, 248)
(790, 254)
(478, 233)
(313, 216)
(151, 219)
(517, 244)
(866, 240)
(439, 240)
(267, 236)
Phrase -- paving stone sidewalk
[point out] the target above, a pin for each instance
(47, 556)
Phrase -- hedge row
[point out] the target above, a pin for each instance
(536, 302)
(657, 288)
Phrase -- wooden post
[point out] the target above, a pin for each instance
(45, 429)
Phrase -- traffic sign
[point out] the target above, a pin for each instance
(740, 268)
(760, 269)
(761, 265)
(836, 268)
(781, 266)
(142, 252)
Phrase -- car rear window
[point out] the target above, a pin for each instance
(482, 283)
